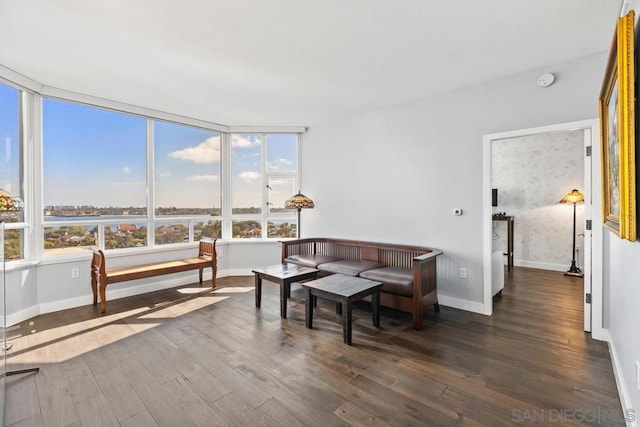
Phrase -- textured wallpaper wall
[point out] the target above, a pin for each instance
(532, 174)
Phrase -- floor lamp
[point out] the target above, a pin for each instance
(299, 201)
(574, 197)
(9, 204)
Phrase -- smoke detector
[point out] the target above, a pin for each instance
(546, 80)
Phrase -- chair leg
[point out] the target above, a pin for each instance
(436, 307)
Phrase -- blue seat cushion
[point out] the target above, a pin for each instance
(349, 267)
(395, 280)
(311, 260)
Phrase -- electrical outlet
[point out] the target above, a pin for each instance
(463, 273)
(638, 375)
(75, 273)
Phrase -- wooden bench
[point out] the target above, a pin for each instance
(407, 273)
(101, 276)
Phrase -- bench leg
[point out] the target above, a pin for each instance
(103, 297)
(200, 275)
(94, 288)
(417, 320)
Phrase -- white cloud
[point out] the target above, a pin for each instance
(128, 184)
(275, 182)
(238, 141)
(126, 170)
(210, 178)
(250, 175)
(207, 151)
(280, 164)
(164, 173)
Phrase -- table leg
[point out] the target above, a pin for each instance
(375, 308)
(284, 288)
(346, 323)
(308, 310)
(258, 281)
(339, 308)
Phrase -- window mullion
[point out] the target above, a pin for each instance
(151, 241)
(225, 176)
(263, 177)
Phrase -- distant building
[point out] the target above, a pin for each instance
(127, 228)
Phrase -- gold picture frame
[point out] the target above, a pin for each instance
(617, 133)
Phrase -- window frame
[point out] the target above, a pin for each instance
(25, 118)
(265, 173)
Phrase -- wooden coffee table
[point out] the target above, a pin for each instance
(343, 290)
(284, 274)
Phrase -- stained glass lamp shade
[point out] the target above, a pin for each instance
(299, 201)
(10, 203)
(573, 197)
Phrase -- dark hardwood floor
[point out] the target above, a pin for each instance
(192, 356)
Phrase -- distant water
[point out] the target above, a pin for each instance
(89, 219)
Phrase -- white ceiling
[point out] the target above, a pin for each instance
(290, 62)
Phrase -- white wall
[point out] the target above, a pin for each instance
(622, 294)
(396, 174)
(532, 173)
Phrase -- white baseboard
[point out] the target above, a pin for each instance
(541, 265)
(240, 272)
(600, 334)
(22, 315)
(462, 304)
(623, 392)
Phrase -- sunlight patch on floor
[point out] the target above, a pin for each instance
(235, 290)
(191, 291)
(99, 331)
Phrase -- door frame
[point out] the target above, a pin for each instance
(592, 185)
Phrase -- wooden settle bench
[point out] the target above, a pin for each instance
(101, 276)
(407, 273)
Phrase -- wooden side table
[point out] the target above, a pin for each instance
(283, 274)
(509, 254)
(343, 290)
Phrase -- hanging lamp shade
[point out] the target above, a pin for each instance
(573, 196)
(11, 203)
(299, 201)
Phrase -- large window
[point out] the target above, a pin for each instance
(187, 182)
(264, 173)
(11, 168)
(94, 174)
(117, 180)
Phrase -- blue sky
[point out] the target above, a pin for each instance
(98, 157)
(9, 140)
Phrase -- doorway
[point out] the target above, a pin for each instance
(593, 239)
